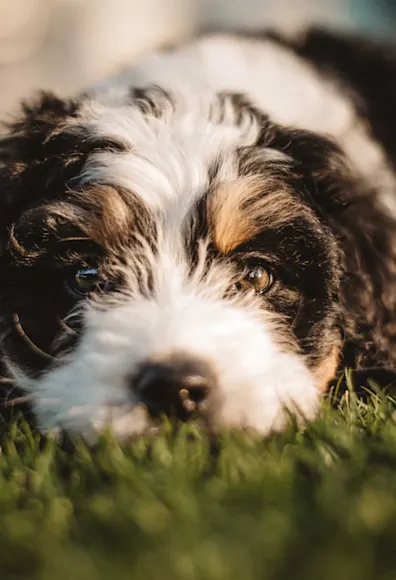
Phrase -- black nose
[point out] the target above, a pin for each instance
(177, 386)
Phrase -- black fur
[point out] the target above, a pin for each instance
(335, 263)
(366, 70)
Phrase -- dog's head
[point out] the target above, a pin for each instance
(167, 256)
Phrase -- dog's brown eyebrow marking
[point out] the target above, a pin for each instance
(108, 216)
(239, 210)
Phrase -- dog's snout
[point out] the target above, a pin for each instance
(177, 386)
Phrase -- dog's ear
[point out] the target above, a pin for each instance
(31, 151)
(319, 172)
(366, 237)
(37, 119)
(365, 233)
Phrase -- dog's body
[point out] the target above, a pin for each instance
(211, 233)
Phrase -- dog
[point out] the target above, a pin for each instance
(209, 235)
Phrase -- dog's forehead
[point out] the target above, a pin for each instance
(164, 159)
(167, 157)
(173, 152)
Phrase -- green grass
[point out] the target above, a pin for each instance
(317, 505)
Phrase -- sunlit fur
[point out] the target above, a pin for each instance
(183, 314)
(175, 180)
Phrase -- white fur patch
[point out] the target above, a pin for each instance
(167, 164)
(283, 85)
(259, 381)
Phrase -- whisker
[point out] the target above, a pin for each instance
(28, 341)
(16, 401)
(6, 400)
(4, 335)
(73, 314)
(74, 239)
(67, 328)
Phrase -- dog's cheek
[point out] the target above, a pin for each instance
(289, 389)
(326, 370)
(325, 358)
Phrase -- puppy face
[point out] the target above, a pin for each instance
(163, 256)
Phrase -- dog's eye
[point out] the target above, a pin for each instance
(258, 278)
(85, 280)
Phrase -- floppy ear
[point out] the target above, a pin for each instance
(320, 169)
(32, 153)
(366, 236)
(37, 118)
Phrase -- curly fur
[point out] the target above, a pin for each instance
(177, 180)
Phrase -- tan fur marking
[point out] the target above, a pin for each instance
(326, 371)
(240, 210)
(108, 215)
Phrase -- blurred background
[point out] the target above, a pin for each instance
(65, 45)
